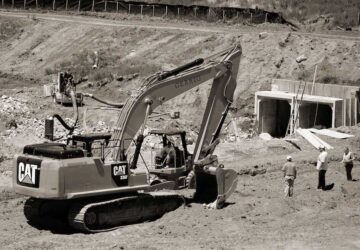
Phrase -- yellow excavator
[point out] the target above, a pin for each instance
(102, 190)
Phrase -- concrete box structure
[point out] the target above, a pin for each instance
(329, 106)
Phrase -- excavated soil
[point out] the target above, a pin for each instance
(34, 47)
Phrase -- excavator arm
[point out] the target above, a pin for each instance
(213, 182)
(162, 87)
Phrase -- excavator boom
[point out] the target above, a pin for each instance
(161, 88)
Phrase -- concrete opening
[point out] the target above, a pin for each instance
(273, 111)
(275, 116)
(315, 115)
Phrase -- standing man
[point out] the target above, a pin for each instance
(322, 166)
(348, 160)
(290, 172)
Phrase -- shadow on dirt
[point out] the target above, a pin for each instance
(53, 225)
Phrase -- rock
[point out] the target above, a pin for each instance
(265, 136)
(119, 78)
(11, 124)
(244, 172)
(301, 59)
(257, 171)
(263, 35)
(104, 82)
(343, 129)
(279, 62)
(331, 205)
(7, 132)
(287, 39)
(282, 44)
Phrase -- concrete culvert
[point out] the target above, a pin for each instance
(315, 115)
(275, 117)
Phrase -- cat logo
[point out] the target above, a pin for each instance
(27, 173)
(119, 173)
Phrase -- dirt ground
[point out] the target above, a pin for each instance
(34, 47)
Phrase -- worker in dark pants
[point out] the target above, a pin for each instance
(322, 166)
(348, 160)
(289, 170)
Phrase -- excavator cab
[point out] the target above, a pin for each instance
(172, 154)
(173, 161)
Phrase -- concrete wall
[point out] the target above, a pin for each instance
(339, 117)
(267, 116)
(306, 115)
(273, 116)
(320, 89)
(348, 93)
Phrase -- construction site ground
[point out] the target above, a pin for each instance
(34, 47)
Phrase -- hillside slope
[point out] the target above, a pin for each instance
(41, 48)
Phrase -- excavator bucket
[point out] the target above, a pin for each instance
(213, 183)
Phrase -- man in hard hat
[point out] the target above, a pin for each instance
(348, 160)
(322, 166)
(289, 170)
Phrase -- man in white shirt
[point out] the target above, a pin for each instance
(348, 160)
(322, 166)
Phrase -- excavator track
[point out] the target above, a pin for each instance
(109, 215)
(91, 216)
(32, 209)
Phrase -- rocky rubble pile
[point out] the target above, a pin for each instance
(18, 118)
(12, 106)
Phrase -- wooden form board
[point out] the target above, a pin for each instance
(313, 139)
(330, 133)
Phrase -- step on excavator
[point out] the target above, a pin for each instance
(98, 192)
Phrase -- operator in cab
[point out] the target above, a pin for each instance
(166, 156)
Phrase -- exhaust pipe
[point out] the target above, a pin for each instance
(49, 122)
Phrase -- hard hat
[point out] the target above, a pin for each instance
(289, 158)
